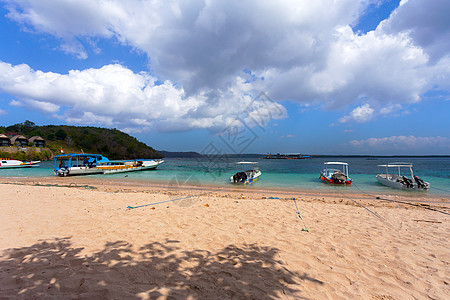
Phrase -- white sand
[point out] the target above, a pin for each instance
(60, 242)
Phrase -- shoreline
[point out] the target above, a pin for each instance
(124, 185)
(76, 238)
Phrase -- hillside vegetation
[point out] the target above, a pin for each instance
(111, 143)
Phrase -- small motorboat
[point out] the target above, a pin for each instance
(120, 166)
(398, 180)
(77, 164)
(6, 163)
(245, 176)
(335, 173)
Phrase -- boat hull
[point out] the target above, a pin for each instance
(13, 164)
(78, 171)
(250, 179)
(147, 165)
(328, 179)
(392, 182)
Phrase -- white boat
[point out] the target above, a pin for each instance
(14, 163)
(391, 176)
(77, 164)
(248, 176)
(120, 166)
(335, 172)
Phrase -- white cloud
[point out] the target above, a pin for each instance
(360, 114)
(405, 143)
(301, 51)
(426, 22)
(2, 112)
(115, 96)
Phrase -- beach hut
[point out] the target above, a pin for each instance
(4, 141)
(19, 140)
(37, 141)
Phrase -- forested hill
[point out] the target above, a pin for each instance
(111, 143)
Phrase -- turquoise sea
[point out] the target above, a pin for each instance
(286, 174)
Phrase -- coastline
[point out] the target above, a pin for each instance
(193, 188)
(75, 237)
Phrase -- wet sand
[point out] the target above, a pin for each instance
(76, 238)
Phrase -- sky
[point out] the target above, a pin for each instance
(226, 76)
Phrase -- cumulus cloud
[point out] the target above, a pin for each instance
(299, 50)
(426, 22)
(2, 112)
(114, 95)
(360, 114)
(404, 143)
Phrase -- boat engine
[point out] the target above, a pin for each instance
(339, 177)
(62, 172)
(408, 182)
(420, 183)
(239, 177)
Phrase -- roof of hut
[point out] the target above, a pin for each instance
(35, 138)
(18, 137)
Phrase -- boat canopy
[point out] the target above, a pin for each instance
(336, 163)
(397, 164)
(247, 163)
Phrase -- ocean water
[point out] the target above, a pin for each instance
(287, 174)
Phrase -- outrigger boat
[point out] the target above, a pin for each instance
(6, 163)
(399, 181)
(335, 173)
(119, 166)
(248, 176)
(77, 164)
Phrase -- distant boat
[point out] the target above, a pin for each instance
(120, 166)
(397, 180)
(285, 156)
(335, 173)
(77, 164)
(6, 163)
(245, 176)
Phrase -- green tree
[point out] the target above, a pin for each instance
(60, 135)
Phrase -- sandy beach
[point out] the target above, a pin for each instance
(78, 238)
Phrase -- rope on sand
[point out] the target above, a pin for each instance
(166, 201)
(300, 216)
(374, 213)
(404, 202)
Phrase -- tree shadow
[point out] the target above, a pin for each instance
(161, 269)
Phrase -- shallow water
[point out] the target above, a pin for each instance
(290, 174)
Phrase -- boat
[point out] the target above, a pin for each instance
(77, 164)
(395, 179)
(248, 176)
(120, 166)
(286, 156)
(335, 172)
(6, 163)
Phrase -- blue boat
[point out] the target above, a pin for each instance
(77, 164)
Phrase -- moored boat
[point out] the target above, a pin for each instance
(391, 176)
(335, 173)
(245, 176)
(6, 163)
(120, 166)
(77, 164)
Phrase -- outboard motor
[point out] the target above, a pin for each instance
(239, 177)
(339, 177)
(62, 172)
(408, 182)
(420, 182)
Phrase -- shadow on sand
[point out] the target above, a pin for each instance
(56, 269)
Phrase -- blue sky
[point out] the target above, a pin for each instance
(332, 77)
